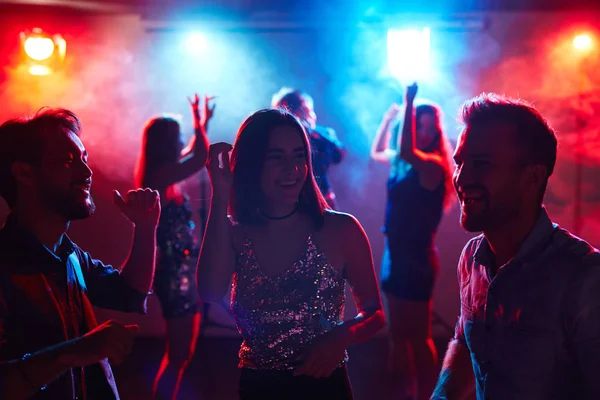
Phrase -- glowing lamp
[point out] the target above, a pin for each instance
(408, 54)
(195, 43)
(42, 52)
(582, 42)
(39, 48)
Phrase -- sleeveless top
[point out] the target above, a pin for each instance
(412, 212)
(279, 317)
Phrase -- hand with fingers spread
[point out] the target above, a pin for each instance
(111, 340)
(140, 206)
(195, 102)
(220, 175)
(325, 354)
(209, 110)
(202, 119)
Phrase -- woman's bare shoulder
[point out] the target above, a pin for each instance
(338, 222)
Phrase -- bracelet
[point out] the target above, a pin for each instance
(33, 385)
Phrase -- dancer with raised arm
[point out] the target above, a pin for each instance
(289, 257)
(163, 164)
(419, 189)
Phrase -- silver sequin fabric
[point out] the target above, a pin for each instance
(175, 276)
(279, 317)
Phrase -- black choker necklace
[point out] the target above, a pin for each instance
(278, 218)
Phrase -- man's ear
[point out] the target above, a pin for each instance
(23, 173)
(538, 175)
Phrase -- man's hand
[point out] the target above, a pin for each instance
(140, 206)
(111, 340)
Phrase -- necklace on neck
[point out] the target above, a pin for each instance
(267, 216)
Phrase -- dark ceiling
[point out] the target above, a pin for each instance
(162, 8)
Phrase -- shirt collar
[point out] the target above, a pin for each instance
(538, 236)
(28, 250)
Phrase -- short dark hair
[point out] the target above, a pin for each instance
(533, 132)
(247, 162)
(290, 99)
(22, 140)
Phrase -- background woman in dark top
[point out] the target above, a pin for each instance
(162, 165)
(419, 189)
(289, 258)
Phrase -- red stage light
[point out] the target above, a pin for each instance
(42, 52)
(39, 48)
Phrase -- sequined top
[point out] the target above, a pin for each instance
(279, 317)
(174, 281)
(175, 234)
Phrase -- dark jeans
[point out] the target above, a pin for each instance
(283, 385)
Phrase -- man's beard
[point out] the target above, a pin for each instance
(489, 218)
(477, 220)
(73, 211)
(66, 206)
(473, 223)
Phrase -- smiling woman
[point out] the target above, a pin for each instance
(284, 172)
(270, 167)
(289, 257)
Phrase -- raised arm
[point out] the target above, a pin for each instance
(193, 156)
(429, 164)
(128, 289)
(381, 149)
(142, 208)
(216, 263)
(201, 122)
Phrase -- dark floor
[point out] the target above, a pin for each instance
(213, 373)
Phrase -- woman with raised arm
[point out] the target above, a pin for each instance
(269, 230)
(162, 165)
(419, 189)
